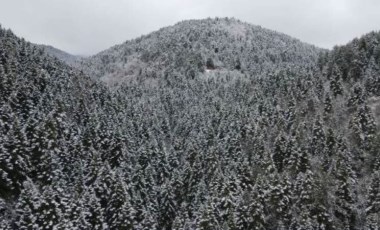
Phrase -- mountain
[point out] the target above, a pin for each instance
(194, 46)
(61, 55)
(286, 143)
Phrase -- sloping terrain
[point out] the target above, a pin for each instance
(191, 47)
(67, 58)
(289, 143)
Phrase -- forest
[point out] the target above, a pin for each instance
(207, 124)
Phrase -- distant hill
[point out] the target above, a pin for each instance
(193, 46)
(61, 55)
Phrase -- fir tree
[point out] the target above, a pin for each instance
(373, 202)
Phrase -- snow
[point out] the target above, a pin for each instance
(374, 104)
(235, 29)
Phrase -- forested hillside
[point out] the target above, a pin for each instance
(285, 143)
(195, 46)
(61, 55)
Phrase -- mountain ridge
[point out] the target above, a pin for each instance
(64, 56)
(196, 42)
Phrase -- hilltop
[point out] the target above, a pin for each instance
(191, 47)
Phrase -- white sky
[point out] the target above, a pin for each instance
(89, 26)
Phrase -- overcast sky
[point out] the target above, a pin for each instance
(89, 26)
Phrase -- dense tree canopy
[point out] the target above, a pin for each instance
(266, 139)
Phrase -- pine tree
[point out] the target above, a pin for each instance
(318, 138)
(255, 212)
(373, 202)
(327, 110)
(14, 157)
(329, 150)
(167, 208)
(336, 82)
(344, 194)
(181, 221)
(363, 126)
(305, 188)
(241, 217)
(5, 215)
(257, 216)
(146, 220)
(119, 213)
(299, 161)
(357, 97)
(49, 215)
(371, 75)
(27, 207)
(278, 198)
(207, 219)
(93, 213)
(279, 155)
(226, 201)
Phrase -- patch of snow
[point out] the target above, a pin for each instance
(224, 75)
(236, 29)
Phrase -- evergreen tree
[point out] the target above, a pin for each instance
(207, 219)
(318, 138)
(279, 201)
(336, 82)
(279, 155)
(373, 202)
(330, 149)
(345, 196)
(167, 208)
(93, 212)
(119, 213)
(327, 107)
(14, 156)
(27, 207)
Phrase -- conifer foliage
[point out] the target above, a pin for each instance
(204, 134)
